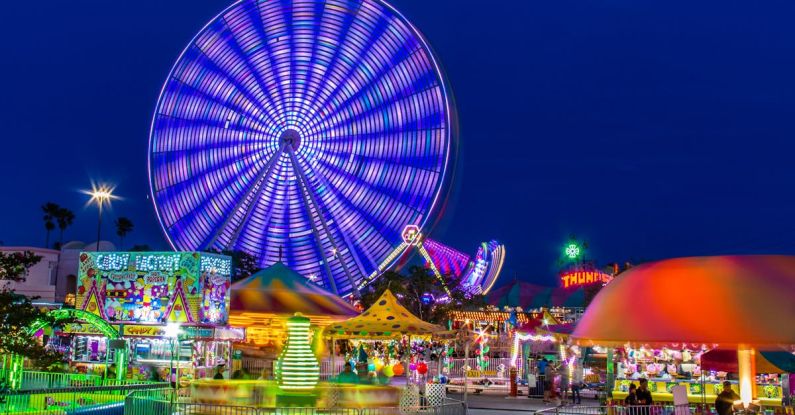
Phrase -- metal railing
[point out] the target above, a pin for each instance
(165, 402)
(619, 410)
(32, 380)
(101, 400)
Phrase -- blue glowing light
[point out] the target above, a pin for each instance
(306, 131)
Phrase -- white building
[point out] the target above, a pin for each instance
(54, 278)
(40, 281)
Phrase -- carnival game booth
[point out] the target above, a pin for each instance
(387, 329)
(751, 310)
(170, 308)
(263, 302)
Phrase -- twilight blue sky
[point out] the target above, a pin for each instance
(650, 129)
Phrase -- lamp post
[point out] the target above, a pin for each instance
(100, 195)
(172, 333)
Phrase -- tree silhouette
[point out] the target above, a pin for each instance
(420, 281)
(18, 312)
(64, 217)
(50, 214)
(123, 227)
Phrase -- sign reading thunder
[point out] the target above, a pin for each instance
(579, 277)
(155, 287)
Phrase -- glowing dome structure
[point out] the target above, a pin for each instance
(306, 131)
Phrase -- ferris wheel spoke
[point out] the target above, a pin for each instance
(379, 88)
(339, 69)
(258, 184)
(403, 112)
(209, 81)
(305, 55)
(180, 197)
(405, 189)
(349, 219)
(259, 59)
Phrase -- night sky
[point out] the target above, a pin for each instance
(649, 129)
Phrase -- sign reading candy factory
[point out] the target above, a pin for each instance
(155, 287)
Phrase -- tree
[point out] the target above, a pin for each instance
(141, 248)
(50, 213)
(123, 227)
(64, 217)
(17, 312)
(243, 264)
(420, 292)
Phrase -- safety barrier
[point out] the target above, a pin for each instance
(165, 402)
(88, 400)
(619, 410)
(33, 380)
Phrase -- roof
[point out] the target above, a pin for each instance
(384, 319)
(280, 290)
(526, 295)
(725, 360)
(715, 301)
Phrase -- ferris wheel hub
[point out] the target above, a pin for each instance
(290, 138)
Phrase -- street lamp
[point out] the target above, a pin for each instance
(172, 332)
(100, 195)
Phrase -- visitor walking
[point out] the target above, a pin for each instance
(644, 397)
(725, 401)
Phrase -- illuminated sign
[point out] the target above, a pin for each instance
(411, 234)
(580, 277)
(155, 287)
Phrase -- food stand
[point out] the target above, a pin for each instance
(143, 294)
(752, 298)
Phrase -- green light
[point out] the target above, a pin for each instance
(297, 367)
(572, 251)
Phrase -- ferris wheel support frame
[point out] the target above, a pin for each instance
(305, 189)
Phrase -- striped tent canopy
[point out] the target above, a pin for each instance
(725, 360)
(531, 296)
(280, 290)
(384, 319)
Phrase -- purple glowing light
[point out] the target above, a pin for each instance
(306, 131)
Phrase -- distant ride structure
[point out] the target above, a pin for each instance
(303, 131)
(476, 274)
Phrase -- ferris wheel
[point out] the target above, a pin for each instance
(309, 132)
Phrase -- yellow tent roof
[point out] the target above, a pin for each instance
(384, 319)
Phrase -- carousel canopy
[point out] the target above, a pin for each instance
(530, 296)
(724, 360)
(282, 291)
(384, 319)
(720, 300)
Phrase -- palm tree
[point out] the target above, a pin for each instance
(123, 227)
(64, 217)
(50, 213)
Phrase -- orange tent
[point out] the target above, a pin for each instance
(724, 301)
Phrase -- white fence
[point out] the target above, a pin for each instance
(256, 366)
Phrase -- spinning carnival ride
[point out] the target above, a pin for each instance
(303, 131)
(477, 274)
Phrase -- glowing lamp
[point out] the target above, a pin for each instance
(297, 367)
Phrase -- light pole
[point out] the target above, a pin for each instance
(172, 332)
(100, 195)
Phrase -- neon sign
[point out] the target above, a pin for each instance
(579, 278)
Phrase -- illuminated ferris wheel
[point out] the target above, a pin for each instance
(306, 131)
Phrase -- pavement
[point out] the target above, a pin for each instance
(502, 405)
